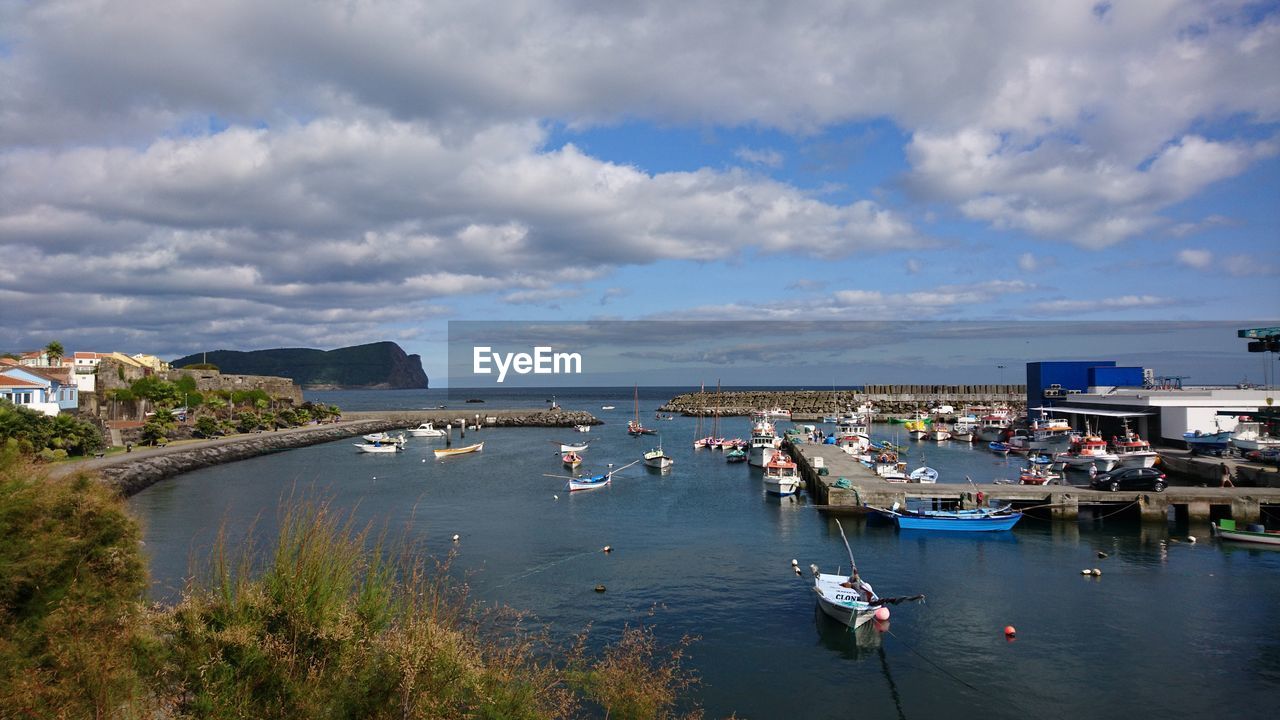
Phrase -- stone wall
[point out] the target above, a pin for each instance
(810, 404)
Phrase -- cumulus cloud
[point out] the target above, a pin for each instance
(1193, 258)
(766, 157)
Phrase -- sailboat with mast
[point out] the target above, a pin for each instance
(633, 426)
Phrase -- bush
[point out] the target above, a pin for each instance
(207, 427)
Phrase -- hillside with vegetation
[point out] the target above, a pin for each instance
(380, 365)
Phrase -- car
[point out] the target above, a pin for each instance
(1134, 478)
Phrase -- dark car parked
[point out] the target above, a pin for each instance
(1131, 479)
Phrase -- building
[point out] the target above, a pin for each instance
(84, 365)
(46, 391)
(1114, 397)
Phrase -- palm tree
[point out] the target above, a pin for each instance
(53, 351)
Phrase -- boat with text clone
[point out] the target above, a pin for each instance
(450, 452)
(1132, 451)
(781, 476)
(848, 599)
(426, 429)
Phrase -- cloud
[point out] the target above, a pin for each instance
(768, 158)
(1027, 262)
(1193, 258)
(1123, 302)
(912, 266)
(1244, 265)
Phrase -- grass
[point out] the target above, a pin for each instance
(327, 621)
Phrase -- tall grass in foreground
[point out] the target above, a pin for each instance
(332, 625)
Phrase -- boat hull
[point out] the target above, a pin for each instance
(782, 486)
(841, 604)
(994, 523)
(1248, 536)
(450, 452)
(372, 448)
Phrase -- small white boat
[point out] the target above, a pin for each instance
(582, 428)
(1251, 435)
(1226, 529)
(378, 437)
(656, 458)
(380, 447)
(925, 475)
(781, 476)
(449, 452)
(849, 599)
(578, 447)
(607, 407)
(940, 433)
(426, 429)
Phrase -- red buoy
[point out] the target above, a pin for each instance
(1010, 631)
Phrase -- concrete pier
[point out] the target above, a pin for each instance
(1059, 502)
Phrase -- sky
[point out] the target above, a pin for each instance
(187, 176)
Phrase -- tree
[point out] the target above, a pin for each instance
(54, 352)
(157, 429)
(207, 426)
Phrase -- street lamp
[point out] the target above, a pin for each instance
(1001, 368)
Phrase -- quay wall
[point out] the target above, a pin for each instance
(132, 472)
(812, 404)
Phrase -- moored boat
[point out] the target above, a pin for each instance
(379, 447)
(1088, 453)
(1132, 451)
(582, 428)
(981, 520)
(736, 455)
(1226, 529)
(849, 599)
(571, 459)
(764, 440)
(925, 475)
(656, 458)
(426, 429)
(450, 452)
(781, 476)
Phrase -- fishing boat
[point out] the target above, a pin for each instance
(426, 429)
(736, 455)
(571, 459)
(940, 433)
(981, 520)
(1250, 435)
(656, 458)
(450, 452)
(1088, 453)
(992, 426)
(379, 447)
(1226, 529)
(848, 599)
(851, 432)
(633, 425)
(1211, 443)
(998, 448)
(1131, 450)
(924, 475)
(963, 432)
(887, 467)
(591, 482)
(779, 413)
(764, 440)
(781, 476)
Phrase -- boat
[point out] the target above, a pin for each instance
(1226, 529)
(962, 432)
(1088, 453)
(571, 459)
(980, 520)
(607, 407)
(736, 455)
(450, 452)
(591, 482)
(426, 429)
(924, 475)
(1250, 435)
(781, 476)
(1212, 443)
(1035, 474)
(779, 414)
(848, 599)
(939, 433)
(656, 458)
(1132, 451)
(573, 447)
(378, 437)
(918, 426)
(380, 447)
(851, 432)
(633, 425)
(998, 448)
(764, 440)
(993, 425)
(582, 428)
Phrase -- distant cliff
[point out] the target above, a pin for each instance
(376, 365)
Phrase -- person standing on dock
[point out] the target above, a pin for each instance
(1226, 476)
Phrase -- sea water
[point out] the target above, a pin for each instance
(1170, 628)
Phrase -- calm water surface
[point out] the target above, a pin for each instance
(1169, 630)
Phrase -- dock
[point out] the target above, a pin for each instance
(1058, 502)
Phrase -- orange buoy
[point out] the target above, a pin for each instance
(1010, 631)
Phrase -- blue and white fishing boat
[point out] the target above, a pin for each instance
(1202, 442)
(999, 448)
(591, 482)
(980, 520)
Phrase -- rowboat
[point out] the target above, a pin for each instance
(849, 599)
(449, 452)
(591, 482)
(571, 459)
(925, 475)
(1226, 529)
(981, 520)
(736, 455)
(998, 448)
(426, 429)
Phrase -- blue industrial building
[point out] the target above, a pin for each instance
(1049, 383)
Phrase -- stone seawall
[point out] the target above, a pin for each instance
(812, 404)
(135, 471)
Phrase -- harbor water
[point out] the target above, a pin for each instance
(1170, 628)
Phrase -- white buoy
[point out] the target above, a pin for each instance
(557, 497)
(1191, 538)
(456, 537)
(796, 569)
(607, 549)
(794, 563)
(1086, 571)
(1097, 572)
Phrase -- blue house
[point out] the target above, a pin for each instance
(42, 391)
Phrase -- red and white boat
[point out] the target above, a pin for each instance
(1087, 453)
(781, 476)
(1132, 450)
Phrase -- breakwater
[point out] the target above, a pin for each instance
(889, 400)
(134, 471)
